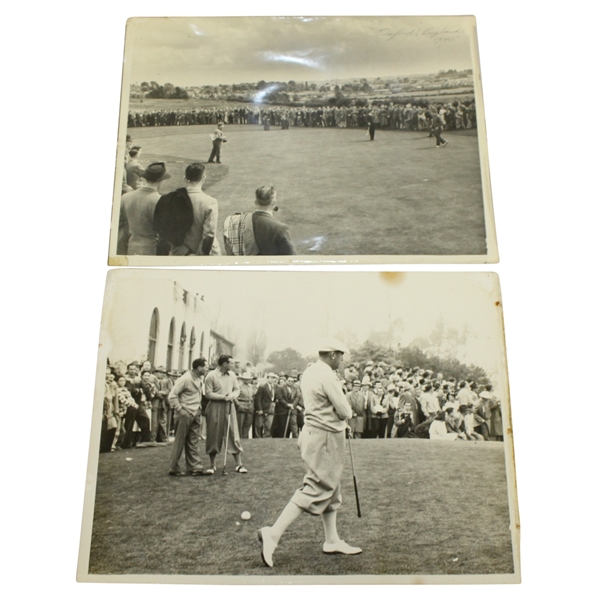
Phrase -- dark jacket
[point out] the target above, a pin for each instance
(272, 236)
(264, 399)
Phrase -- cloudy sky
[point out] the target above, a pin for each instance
(209, 51)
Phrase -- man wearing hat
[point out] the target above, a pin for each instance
(283, 406)
(163, 388)
(297, 405)
(136, 224)
(369, 398)
(136, 415)
(322, 447)
(264, 406)
(244, 404)
(218, 138)
(357, 402)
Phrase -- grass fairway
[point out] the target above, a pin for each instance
(427, 508)
(340, 193)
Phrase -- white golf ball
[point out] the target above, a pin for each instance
(246, 516)
(237, 523)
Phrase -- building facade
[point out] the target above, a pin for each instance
(160, 321)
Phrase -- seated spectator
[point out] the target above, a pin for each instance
(438, 431)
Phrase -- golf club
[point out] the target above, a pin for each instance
(287, 424)
(224, 473)
(351, 457)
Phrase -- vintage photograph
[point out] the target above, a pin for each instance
(268, 427)
(299, 140)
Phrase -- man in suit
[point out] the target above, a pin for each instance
(297, 405)
(368, 400)
(265, 396)
(283, 405)
(272, 236)
(200, 240)
(358, 404)
(136, 225)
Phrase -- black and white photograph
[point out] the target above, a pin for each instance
(302, 140)
(60, 144)
(267, 427)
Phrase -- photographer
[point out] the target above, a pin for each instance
(403, 424)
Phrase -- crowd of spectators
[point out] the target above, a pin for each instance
(387, 401)
(393, 116)
(189, 217)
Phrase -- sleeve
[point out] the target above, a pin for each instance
(296, 398)
(284, 245)
(123, 236)
(435, 432)
(173, 396)
(258, 400)
(209, 230)
(333, 390)
(211, 394)
(235, 391)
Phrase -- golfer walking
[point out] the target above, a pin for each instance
(218, 138)
(322, 445)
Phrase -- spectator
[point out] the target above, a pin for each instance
(244, 404)
(136, 224)
(200, 239)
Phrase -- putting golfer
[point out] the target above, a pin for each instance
(322, 446)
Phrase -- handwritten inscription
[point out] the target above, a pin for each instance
(436, 35)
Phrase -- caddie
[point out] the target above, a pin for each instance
(322, 448)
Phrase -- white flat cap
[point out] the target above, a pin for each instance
(332, 344)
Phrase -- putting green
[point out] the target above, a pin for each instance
(339, 192)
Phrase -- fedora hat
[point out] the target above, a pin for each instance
(155, 172)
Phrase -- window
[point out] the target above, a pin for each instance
(153, 336)
(182, 340)
(192, 342)
(170, 346)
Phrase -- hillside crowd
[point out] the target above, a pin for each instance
(387, 401)
(393, 116)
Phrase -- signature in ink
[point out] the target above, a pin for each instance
(436, 35)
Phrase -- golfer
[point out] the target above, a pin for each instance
(222, 389)
(322, 445)
(218, 138)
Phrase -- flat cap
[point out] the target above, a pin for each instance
(332, 344)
